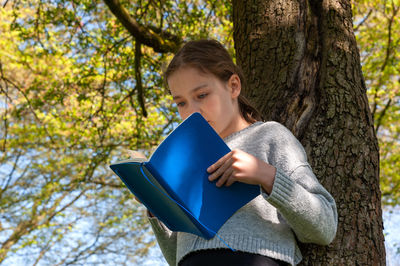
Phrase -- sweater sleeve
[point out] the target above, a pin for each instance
(167, 240)
(306, 205)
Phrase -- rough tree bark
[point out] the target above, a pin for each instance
(303, 69)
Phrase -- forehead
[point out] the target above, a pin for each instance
(187, 79)
(187, 73)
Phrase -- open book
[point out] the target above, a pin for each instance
(173, 184)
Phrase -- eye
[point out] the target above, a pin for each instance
(180, 104)
(203, 95)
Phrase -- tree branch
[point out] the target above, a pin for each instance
(105, 184)
(363, 21)
(159, 40)
(10, 175)
(386, 60)
(382, 114)
(6, 80)
(138, 77)
(6, 99)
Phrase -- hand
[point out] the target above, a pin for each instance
(240, 166)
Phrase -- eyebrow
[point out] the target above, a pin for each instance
(192, 91)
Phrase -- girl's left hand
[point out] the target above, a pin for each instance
(240, 166)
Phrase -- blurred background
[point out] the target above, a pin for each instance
(77, 92)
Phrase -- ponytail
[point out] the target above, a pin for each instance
(249, 113)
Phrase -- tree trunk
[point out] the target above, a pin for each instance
(302, 66)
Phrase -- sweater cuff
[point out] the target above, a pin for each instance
(157, 225)
(282, 190)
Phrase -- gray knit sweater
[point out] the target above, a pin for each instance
(297, 206)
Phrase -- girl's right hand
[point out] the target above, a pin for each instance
(238, 165)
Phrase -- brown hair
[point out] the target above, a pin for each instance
(209, 56)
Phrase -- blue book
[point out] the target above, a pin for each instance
(173, 184)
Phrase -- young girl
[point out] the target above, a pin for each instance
(292, 203)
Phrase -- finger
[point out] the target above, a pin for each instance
(220, 162)
(221, 170)
(224, 177)
(232, 179)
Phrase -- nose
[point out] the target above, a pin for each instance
(193, 108)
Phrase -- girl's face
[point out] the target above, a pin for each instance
(195, 91)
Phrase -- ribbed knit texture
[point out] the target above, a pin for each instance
(298, 204)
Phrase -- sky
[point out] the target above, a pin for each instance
(391, 223)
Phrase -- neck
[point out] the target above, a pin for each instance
(236, 125)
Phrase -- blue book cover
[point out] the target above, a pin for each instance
(174, 183)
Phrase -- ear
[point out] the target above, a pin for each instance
(234, 85)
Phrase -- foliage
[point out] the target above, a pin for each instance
(70, 105)
(67, 111)
(377, 27)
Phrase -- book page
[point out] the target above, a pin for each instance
(134, 156)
